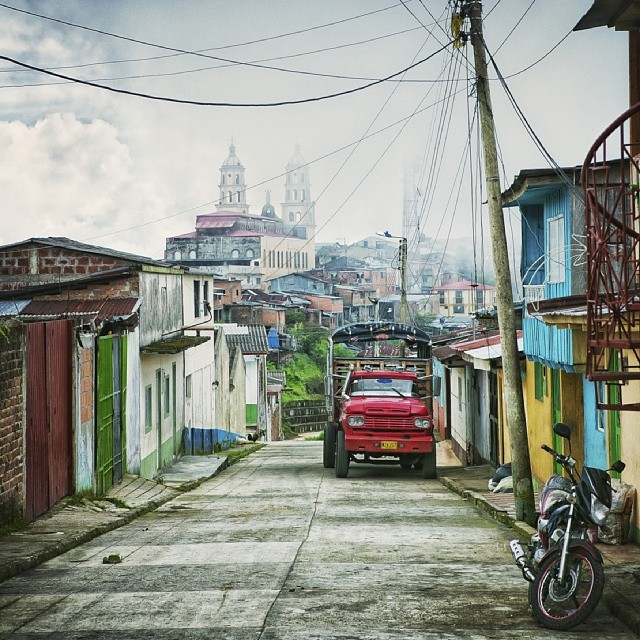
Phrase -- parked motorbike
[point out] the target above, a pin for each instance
(564, 568)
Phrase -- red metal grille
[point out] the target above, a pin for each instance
(610, 177)
(387, 423)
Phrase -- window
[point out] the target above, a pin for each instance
(235, 253)
(295, 194)
(192, 254)
(187, 386)
(298, 217)
(223, 178)
(458, 299)
(237, 196)
(148, 409)
(442, 300)
(249, 253)
(291, 216)
(555, 249)
(177, 255)
(167, 397)
(205, 292)
(196, 298)
(237, 178)
(229, 196)
(479, 296)
(302, 195)
(540, 375)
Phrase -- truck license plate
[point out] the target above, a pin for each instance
(388, 444)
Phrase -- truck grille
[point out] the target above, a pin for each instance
(387, 423)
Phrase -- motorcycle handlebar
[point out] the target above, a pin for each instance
(548, 449)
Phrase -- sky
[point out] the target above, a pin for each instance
(125, 171)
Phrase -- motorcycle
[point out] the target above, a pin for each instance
(564, 568)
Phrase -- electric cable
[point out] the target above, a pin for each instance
(279, 103)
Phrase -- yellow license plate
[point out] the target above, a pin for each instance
(388, 444)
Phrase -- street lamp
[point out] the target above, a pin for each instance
(403, 273)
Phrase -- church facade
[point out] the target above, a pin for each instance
(254, 248)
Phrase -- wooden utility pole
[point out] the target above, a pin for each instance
(513, 396)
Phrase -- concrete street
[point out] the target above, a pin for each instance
(276, 548)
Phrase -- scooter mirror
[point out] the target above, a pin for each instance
(618, 466)
(562, 430)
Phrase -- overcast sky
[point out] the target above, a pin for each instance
(125, 172)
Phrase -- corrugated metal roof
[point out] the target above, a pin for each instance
(251, 338)
(99, 310)
(12, 307)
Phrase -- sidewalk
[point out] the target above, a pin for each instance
(73, 522)
(622, 563)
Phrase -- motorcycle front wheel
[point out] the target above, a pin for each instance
(562, 605)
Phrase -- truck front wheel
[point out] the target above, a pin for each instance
(329, 446)
(342, 457)
(429, 465)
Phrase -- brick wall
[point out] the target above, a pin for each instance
(11, 419)
(30, 265)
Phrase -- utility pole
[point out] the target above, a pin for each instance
(513, 396)
(403, 280)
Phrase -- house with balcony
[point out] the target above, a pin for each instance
(554, 272)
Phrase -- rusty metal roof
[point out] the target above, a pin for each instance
(98, 310)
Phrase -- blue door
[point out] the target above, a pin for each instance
(595, 422)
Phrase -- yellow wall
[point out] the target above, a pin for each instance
(630, 445)
(538, 424)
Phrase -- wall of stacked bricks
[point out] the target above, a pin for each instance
(12, 341)
(25, 267)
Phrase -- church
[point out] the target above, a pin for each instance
(253, 248)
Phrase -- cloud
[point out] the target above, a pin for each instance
(64, 177)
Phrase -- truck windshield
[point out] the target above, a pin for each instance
(383, 387)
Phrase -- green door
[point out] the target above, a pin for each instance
(104, 421)
(615, 397)
(556, 415)
(111, 411)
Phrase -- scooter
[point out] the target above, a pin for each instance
(564, 568)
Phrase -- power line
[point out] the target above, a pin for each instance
(268, 180)
(279, 103)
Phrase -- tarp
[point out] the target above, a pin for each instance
(376, 331)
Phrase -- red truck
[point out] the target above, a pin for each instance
(379, 398)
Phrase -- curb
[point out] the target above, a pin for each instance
(615, 600)
(16, 567)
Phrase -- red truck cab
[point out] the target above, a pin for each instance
(379, 409)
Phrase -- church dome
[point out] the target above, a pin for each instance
(269, 211)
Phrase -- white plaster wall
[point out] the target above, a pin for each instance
(133, 409)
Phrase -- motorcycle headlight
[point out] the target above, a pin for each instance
(422, 423)
(598, 511)
(355, 421)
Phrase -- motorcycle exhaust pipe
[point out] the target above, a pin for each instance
(521, 560)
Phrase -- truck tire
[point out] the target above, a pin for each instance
(329, 446)
(342, 457)
(429, 465)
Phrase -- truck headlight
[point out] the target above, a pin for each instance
(422, 423)
(355, 421)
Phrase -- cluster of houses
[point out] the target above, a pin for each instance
(579, 342)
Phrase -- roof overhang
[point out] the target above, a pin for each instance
(623, 15)
(177, 344)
